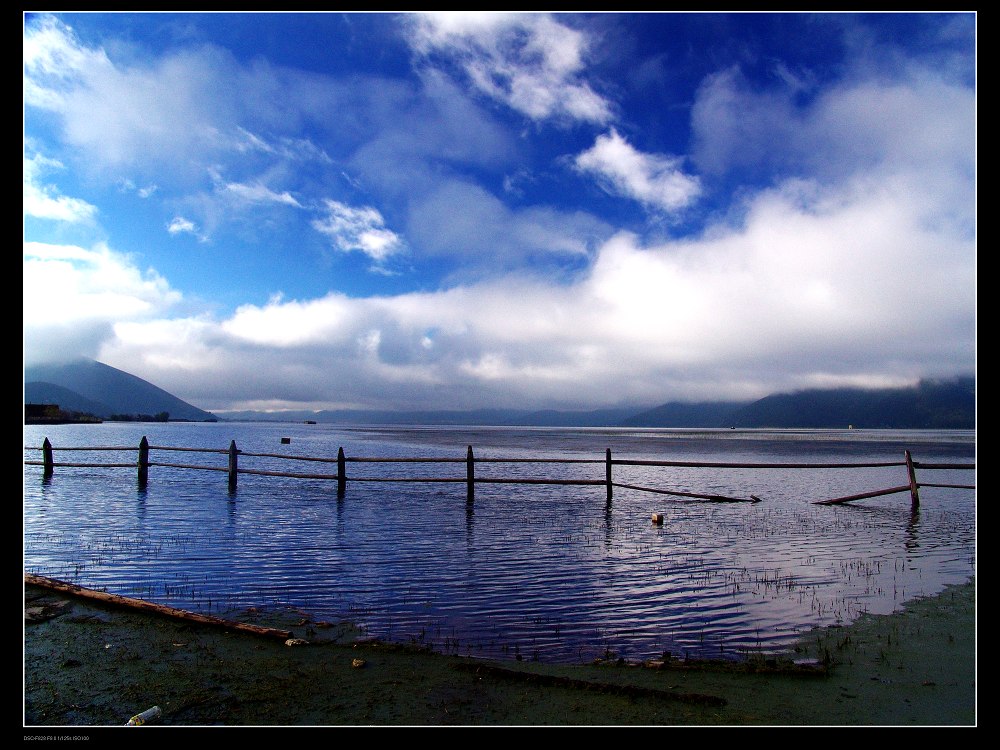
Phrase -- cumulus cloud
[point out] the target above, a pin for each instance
(77, 295)
(654, 180)
(817, 285)
(530, 62)
(282, 324)
(848, 257)
(358, 229)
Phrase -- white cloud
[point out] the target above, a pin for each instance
(39, 202)
(531, 62)
(461, 219)
(128, 186)
(298, 149)
(855, 266)
(816, 286)
(44, 201)
(77, 294)
(129, 114)
(416, 131)
(281, 324)
(180, 225)
(251, 142)
(358, 229)
(920, 120)
(654, 180)
(54, 59)
(259, 193)
(177, 114)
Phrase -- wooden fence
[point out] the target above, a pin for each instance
(233, 470)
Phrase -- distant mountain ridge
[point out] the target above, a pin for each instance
(611, 417)
(95, 388)
(679, 414)
(66, 399)
(931, 404)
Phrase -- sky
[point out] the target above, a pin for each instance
(467, 210)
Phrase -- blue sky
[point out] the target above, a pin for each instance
(408, 211)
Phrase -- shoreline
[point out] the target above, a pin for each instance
(88, 664)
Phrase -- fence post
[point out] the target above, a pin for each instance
(143, 462)
(607, 473)
(914, 487)
(233, 465)
(341, 473)
(470, 476)
(47, 458)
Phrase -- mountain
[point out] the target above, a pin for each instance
(49, 393)
(88, 386)
(611, 417)
(932, 404)
(677, 414)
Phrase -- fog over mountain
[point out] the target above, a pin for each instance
(95, 388)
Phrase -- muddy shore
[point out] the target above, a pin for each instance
(88, 667)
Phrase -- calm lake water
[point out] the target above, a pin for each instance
(537, 572)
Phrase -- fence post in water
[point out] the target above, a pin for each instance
(233, 465)
(47, 458)
(607, 473)
(470, 476)
(143, 462)
(914, 487)
(341, 473)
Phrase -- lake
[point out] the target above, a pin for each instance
(527, 571)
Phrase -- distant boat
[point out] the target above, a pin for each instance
(310, 421)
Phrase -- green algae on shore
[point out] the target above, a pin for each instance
(90, 665)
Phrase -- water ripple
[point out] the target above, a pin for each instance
(536, 572)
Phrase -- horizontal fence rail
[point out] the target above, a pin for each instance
(233, 469)
(724, 465)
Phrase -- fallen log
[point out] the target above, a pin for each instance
(754, 665)
(632, 691)
(140, 604)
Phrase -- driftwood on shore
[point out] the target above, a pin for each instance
(632, 691)
(159, 609)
